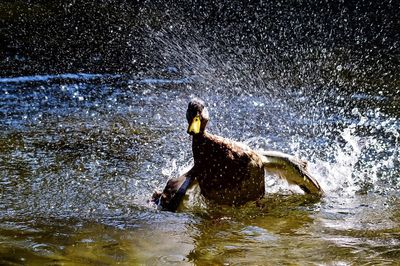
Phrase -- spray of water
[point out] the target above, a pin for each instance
(351, 149)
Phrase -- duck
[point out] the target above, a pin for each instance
(230, 172)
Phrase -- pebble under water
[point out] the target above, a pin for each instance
(81, 154)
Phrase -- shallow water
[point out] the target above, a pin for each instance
(81, 154)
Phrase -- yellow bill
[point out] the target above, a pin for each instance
(194, 127)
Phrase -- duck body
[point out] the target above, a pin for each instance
(228, 172)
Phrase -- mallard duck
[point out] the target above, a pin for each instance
(230, 172)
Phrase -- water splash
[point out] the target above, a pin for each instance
(351, 149)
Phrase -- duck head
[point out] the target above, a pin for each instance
(197, 117)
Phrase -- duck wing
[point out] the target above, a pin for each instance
(174, 191)
(292, 169)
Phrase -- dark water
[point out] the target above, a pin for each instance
(80, 155)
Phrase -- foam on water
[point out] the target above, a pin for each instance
(66, 76)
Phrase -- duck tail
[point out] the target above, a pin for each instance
(292, 169)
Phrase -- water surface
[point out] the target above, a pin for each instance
(80, 155)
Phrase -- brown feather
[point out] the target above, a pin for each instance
(229, 172)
